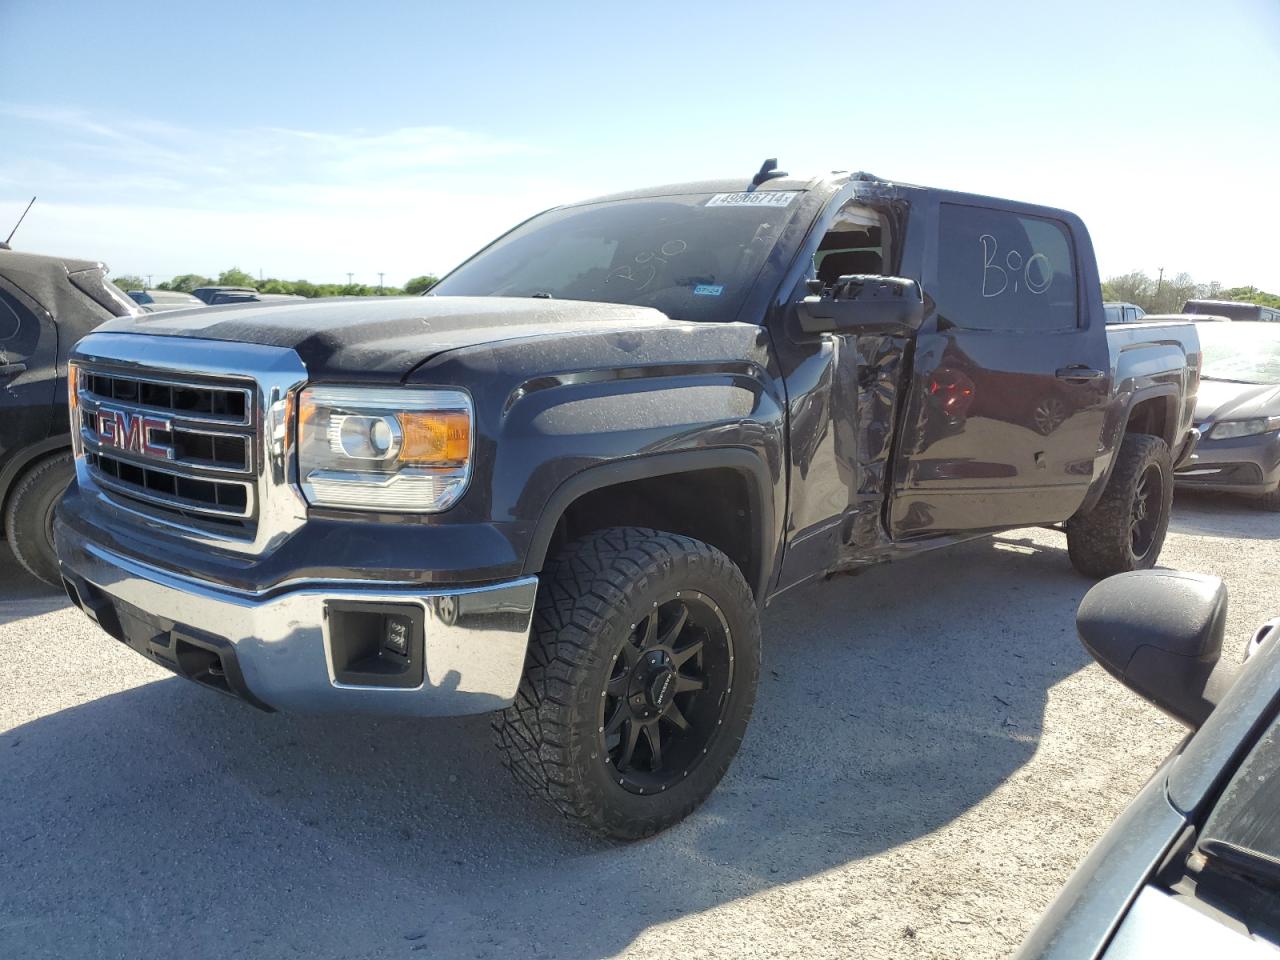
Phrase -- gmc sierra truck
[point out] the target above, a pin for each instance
(561, 486)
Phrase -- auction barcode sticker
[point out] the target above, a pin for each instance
(767, 198)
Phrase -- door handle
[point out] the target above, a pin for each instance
(12, 369)
(1079, 373)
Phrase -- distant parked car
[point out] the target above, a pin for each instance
(1120, 312)
(46, 305)
(1233, 310)
(208, 293)
(154, 301)
(239, 296)
(1238, 412)
(1192, 867)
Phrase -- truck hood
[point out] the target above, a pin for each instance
(384, 338)
(1223, 400)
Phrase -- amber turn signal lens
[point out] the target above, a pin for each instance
(435, 438)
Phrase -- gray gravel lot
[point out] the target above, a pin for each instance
(932, 753)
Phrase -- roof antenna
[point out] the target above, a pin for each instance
(5, 245)
(768, 171)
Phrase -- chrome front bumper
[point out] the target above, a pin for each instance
(277, 652)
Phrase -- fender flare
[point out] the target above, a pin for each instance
(740, 459)
(1166, 390)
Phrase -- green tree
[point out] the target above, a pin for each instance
(186, 282)
(1169, 294)
(1250, 295)
(420, 284)
(129, 281)
(1133, 287)
(235, 277)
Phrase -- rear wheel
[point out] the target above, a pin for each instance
(639, 683)
(28, 521)
(1126, 528)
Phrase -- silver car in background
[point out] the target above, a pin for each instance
(1238, 413)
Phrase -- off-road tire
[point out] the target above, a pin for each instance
(28, 518)
(1100, 542)
(592, 595)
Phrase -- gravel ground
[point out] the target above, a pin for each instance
(932, 753)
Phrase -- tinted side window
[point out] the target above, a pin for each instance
(1002, 271)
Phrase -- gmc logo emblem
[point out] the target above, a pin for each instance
(133, 432)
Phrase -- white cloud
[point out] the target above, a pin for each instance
(159, 199)
(152, 197)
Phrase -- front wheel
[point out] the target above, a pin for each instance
(1126, 527)
(639, 682)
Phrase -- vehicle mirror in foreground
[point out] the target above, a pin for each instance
(861, 303)
(1159, 632)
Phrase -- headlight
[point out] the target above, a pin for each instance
(384, 449)
(1243, 428)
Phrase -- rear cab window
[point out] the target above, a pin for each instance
(1004, 271)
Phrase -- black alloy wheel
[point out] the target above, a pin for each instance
(1144, 525)
(666, 694)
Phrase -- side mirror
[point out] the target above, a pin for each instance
(1159, 632)
(861, 303)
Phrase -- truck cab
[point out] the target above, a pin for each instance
(561, 486)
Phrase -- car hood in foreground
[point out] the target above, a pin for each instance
(380, 338)
(1223, 400)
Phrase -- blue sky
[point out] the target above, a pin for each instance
(309, 140)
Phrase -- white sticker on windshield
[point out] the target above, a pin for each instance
(766, 198)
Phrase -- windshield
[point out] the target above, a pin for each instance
(1247, 352)
(692, 257)
(1244, 828)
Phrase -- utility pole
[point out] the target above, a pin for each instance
(380, 276)
(1160, 282)
(148, 281)
(349, 276)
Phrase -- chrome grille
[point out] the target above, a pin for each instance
(196, 401)
(208, 454)
(177, 449)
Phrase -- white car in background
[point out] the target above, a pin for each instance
(1122, 312)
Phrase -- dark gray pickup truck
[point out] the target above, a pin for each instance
(561, 486)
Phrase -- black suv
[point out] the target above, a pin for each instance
(46, 305)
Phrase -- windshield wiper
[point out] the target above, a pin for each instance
(1254, 864)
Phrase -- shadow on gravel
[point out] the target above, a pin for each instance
(1221, 515)
(22, 595)
(166, 821)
